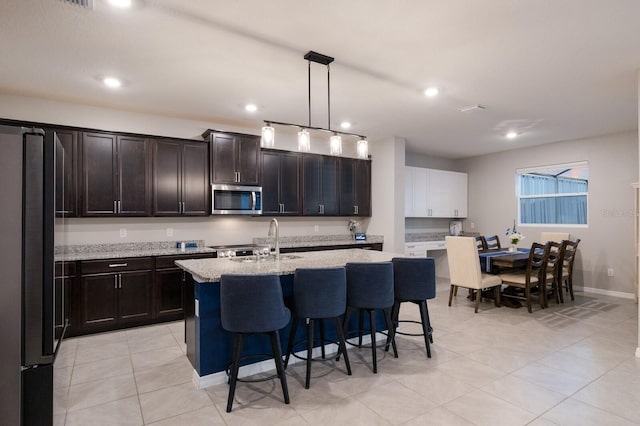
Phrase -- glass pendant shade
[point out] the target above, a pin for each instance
(363, 148)
(335, 143)
(304, 142)
(268, 137)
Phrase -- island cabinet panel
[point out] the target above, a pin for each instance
(280, 183)
(235, 158)
(115, 175)
(320, 185)
(66, 177)
(115, 293)
(180, 178)
(355, 187)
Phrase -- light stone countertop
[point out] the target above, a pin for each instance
(122, 250)
(319, 240)
(210, 270)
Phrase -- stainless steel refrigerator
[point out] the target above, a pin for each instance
(27, 220)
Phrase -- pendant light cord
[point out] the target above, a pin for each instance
(328, 97)
(309, 87)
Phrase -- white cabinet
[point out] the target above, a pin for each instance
(415, 195)
(435, 193)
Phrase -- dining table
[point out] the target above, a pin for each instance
(494, 260)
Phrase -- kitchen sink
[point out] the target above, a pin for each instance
(270, 258)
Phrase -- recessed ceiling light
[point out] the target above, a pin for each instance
(431, 92)
(345, 125)
(120, 3)
(112, 82)
(251, 107)
(512, 135)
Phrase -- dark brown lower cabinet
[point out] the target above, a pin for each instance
(115, 293)
(118, 293)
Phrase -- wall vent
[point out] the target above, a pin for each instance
(82, 3)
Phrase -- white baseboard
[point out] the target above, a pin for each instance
(606, 292)
(267, 365)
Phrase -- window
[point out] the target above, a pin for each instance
(553, 194)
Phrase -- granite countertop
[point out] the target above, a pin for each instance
(210, 270)
(319, 240)
(120, 250)
(416, 237)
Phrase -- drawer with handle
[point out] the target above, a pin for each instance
(116, 265)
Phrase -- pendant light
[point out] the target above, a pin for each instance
(362, 148)
(335, 144)
(304, 138)
(304, 141)
(268, 136)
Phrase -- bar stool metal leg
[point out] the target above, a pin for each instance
(277, 356)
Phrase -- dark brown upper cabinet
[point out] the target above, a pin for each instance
(180, 178)
(235, 158)
(355, 187)
(116, 175)
(66, 166)
(280, 183)
(320, 185)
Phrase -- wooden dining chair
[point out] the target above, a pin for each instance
(557, 237)
(551, 283)
(565, 279)
(492, 243)
(533, 277)
(481, 244)
(464, 269)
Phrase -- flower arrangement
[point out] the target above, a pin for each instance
(353, 225)
(514, 236)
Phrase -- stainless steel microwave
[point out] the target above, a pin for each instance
(236, 199)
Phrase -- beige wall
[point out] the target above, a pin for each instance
(214, 230)
(608, 240)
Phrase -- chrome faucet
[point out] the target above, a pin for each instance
(272, 225)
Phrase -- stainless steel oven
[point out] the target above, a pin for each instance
(236, 199)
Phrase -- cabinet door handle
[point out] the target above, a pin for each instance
(119, 206)
(355, 209)
(119, 280)
(183, 207)
(117, 265)
(237, 176)
(115, 281)
(115, 207)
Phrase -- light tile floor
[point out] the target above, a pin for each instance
(571, 364)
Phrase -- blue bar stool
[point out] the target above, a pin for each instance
(319, 293)
(370, 288)
(253, 304)
(415, 281)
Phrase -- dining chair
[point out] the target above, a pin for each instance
(464, 269)
(565, 278)
(533, 277)
(557, 237)
(492, 243)
(553, 272)
(481, 243)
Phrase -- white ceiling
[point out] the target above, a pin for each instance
(549, 69)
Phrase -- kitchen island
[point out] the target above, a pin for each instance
(208, 345)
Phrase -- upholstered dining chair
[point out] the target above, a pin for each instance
(464, 269)
(533, 277)
(565, 279)
(557, 237)
(492, 243)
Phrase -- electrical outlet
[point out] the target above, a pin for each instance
(316, 228)
(610, 272)
(473, 225)
(169, 232)
(123, 233)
